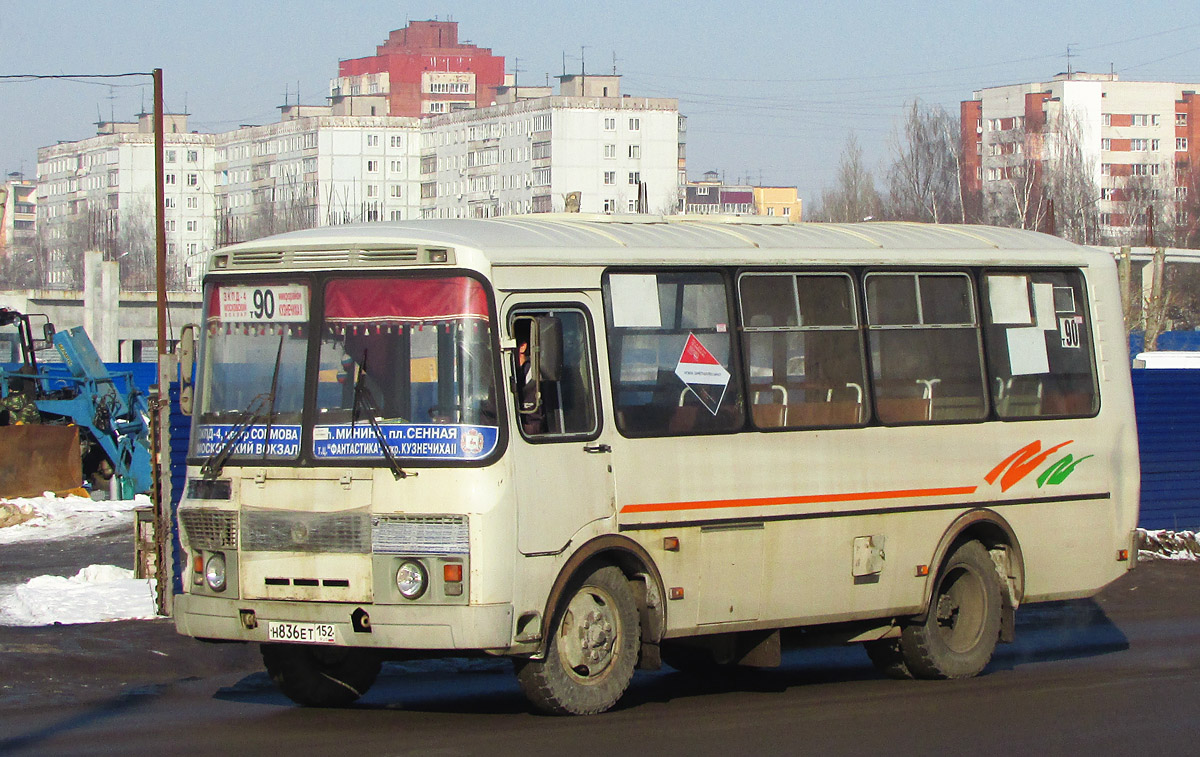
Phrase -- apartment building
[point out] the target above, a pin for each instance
(98, 194)
(18, 213)
(1136, 141)
(421, 69)
(315, 167)
(589, 148)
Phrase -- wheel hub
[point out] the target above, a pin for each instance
(587, 637)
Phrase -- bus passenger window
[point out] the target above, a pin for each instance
(804, 350)
(1039, 344)
(670, 346)
(567, 406)
(925, 354)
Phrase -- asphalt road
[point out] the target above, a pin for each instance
(1119, 674)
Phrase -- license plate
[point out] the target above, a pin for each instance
(311, 633)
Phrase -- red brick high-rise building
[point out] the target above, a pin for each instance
(422, 69)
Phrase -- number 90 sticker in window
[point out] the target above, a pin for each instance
(285, 303)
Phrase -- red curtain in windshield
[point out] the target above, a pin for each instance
(411, 300)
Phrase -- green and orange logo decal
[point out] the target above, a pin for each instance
(1029, 458)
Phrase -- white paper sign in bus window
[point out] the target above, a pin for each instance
(700, 370)
(1070, 331)
(279, 303)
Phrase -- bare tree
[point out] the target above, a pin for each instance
(853, 198)
(924, 177)
(1068, 175)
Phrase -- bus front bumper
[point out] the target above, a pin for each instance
(441, 627)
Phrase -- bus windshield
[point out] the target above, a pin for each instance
(407, 361)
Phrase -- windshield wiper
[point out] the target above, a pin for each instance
(254, 411)
(364, 400)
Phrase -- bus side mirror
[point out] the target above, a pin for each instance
(547, 348)
(48, 333)
(187, 365)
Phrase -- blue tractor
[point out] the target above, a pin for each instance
(108, 409)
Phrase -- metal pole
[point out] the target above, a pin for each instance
(160, 232)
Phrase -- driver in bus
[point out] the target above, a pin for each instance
(527, 394)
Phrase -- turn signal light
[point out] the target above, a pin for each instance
(675, 592)
(452, 573)
(922, 570)
(198, 568)
(671, 543)
(1122, 555)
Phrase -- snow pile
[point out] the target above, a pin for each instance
(49, 517)
(95, 594)
(1168, 545)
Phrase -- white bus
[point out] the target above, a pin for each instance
(891, 434)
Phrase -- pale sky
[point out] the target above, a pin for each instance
(771, 89)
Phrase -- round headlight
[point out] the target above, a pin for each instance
(214, 572)
(411, 579)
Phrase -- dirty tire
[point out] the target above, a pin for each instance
(320, 676)
(961, 629)
(591, 655)
(888, 658)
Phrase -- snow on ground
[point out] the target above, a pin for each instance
(1168, 545)
(95, 594)
(49, 517)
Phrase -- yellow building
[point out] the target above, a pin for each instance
(779, 202)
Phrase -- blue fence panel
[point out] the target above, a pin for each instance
(1168, 422)
(180, 429)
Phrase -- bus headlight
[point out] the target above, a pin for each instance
(214, 571)
(411, 579)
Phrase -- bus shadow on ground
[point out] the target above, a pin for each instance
(1048, 632)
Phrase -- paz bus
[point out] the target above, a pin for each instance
(599, 443)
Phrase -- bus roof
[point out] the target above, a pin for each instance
(592, 239)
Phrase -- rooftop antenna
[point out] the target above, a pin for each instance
(1069, 71)
(112, 96)
(614, 62)
(564, 62)
(516, 70)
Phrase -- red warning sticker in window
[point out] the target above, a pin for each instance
(700, 370)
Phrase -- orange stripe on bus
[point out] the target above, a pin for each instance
(657, 507)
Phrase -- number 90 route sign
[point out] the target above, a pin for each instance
(284, 303)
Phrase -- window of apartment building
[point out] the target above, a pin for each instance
(372, 140)
(169, 224)
(541, 177)
(635, 177)
(1106, 144)
(1155, 145)
(372, 190)
(170, 248)
(1139, 145)
(1106, 193)
(170, 156)
(1140, 119)
(1181, 144)
(610, 206)
(1181, 119)
(168, 202)
(787, 212)
(396, 166)
(610, 151)
(372, 166)
(169, 179)
(1106, 169)
(396, 140)
(1107, 119)
(193, 202)
(993, 174)
(193, 180)
(394, 191)
(541, 122)
(635, 151)
(396, 215)
(610, 177)
(541, 150)
(191, 225)
(610, 124)
(193, 156)
(192, 248)
(1154, 120)
(1181, 194)
(632, 206)
(428, 190)
(1145, 169)
(635, 124)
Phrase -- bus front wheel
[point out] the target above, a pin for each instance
(962, 626)
(320, 676)
(590, 658)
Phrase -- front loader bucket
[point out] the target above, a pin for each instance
(35, 459)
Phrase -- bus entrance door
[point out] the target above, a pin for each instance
(563, 461)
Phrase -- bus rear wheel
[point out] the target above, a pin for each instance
(590, 658)
(320, 676)
(962, 626)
